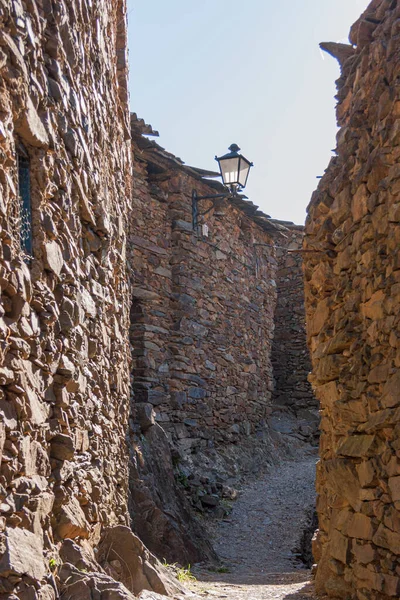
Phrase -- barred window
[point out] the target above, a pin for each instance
(25, 210)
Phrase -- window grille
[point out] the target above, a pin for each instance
(25, 210)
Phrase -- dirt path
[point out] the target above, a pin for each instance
(256, 542)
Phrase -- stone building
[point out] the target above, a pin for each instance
(201, 333)
(64, 193)
(77, 217)
(290, 357)
(202, 318)
(352, 271)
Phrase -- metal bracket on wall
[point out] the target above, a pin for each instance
(195, 207)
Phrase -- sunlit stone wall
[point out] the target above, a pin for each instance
(352, 270)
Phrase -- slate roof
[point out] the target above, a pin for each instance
(153, 152)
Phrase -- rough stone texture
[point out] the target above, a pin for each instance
(223, 300)
(120, 568)
(64, 351)
(86, 585)
(127, 560)
(202, 310)
(201, 335)
(290, 357)
(161, 515)
(202, 325)
(352, 274)
(22, 554)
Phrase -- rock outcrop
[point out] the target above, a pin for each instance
(122, 568)
(352, 274)
(161, 514)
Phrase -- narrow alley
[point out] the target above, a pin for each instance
(258, 544)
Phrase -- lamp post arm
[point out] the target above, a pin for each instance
(203, 214)
(214, 196)
(196, 199)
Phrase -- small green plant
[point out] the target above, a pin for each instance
(185, 575)
(222, 570)
(168, 565)
(53, 564)
(183, 480)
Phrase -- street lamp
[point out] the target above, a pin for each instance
(234, 169)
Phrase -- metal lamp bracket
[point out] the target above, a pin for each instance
(195, 209)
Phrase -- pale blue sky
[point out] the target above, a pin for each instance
(212, 72)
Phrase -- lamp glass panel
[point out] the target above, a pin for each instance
(243, 171)
(229, 170)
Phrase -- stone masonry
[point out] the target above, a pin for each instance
(202, 325)
(203, 306)
(290, 356)
(101, 271)
(64, 385)
(352, 271)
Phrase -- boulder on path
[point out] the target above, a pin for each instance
(122, 569)
(85, 585)
(123, 556)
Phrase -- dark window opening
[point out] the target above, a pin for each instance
(25, 209)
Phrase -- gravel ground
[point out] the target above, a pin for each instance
(256, 542)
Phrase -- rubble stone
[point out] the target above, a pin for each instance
(290, 357)
(201, 305)
(352, 272)
(63, 407)
(22, 554)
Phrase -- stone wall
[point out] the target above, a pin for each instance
(202, 314)
(223, 301)
(201, 309)
(201, 336)
(352, 271)
(160, 513)
(64, 310)
(149, 255)
(290, 356)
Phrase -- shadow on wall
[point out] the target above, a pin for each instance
(295, 408)
(161, 515)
